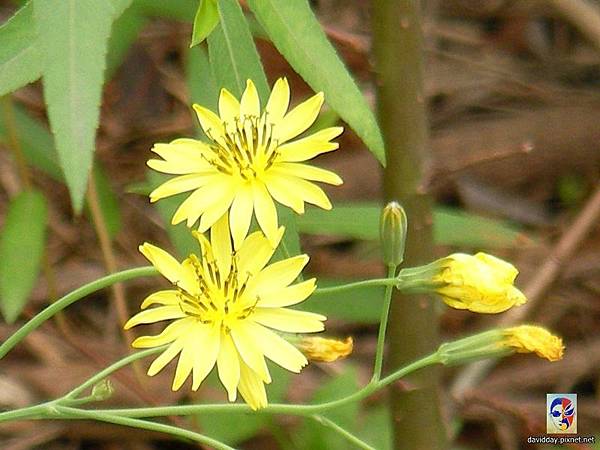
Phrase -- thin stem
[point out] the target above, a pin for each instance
(70, 298)
(391, 281)
(74, 413)
(383, 324)
(342, 432)
(8, 113)
(110, 369)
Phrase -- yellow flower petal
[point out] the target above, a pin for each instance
(531, 338)
(325, 350)
(169, 334)
(185, 363)
(228, 363)
(310, 192)
(168, 297)
(210, 122)
(308, 173)
(164, 263)
(287, 296)
(240, 215)
(310, 146)
(195, 205)
(221, 203)
(283, 192)
(255, 252)
(179, 184)
(299, 119)
(277, 275)
(249, 351)
(155, 315)
(229, 107)
(279, 100)
(266, 213)
(165, 357)
(206, 341)
(252, 388)
(250, 103)
(289, 320)
(182, 156)
(221, 245)
(276, 349)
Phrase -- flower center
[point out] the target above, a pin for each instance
(221, 300)
(245, 149)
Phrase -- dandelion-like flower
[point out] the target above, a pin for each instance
(224, 307)
(249, 160)
(534, 339)
(481, 283)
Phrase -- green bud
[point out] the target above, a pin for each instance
(103, 390)
(392, 231)
(488, 344)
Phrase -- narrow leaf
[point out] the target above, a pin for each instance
(205, 21)
(232, 52)
(21, 250)
(73, 37)
(20, 61)
(297, 34)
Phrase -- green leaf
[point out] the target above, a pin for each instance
(205, 21)
(376, 428)
(297, 34)
(20, 61)
(73, 37)
(21, 250)
(182, 10)
(451, 226)
(123, 34)
(200, 80)
(232, 53)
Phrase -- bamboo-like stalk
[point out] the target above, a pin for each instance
(413, 324)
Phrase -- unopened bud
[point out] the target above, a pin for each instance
(103, 390)
(392, 231)
(325, 350)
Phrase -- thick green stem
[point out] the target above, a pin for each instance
(397, 44)
(383, 324)
(69, 299)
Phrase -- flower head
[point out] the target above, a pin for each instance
(534, 339)
(480, 283)
(249, 160)
(324, 349)
(224, 307)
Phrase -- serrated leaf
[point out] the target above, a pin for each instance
(20, 61)
(451, 226)
(73, 37)
(205, 21)
(298, 36)
(232, 53)
(22, 244)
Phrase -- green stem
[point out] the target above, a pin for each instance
(390, 282)
(110, 369)
(342, 432)
(70, 298)
(383, 324)
(75, 413)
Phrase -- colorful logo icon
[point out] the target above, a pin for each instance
(561, 413)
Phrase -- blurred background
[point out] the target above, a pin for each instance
(513, 99)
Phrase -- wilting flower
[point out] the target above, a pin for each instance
(502, 342)
(325, 349)
(225, 306)
(531, 338)
(249, 161)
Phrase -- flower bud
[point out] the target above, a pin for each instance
(325, 350)
(534, 339)
(392, 231)
(481, 283)
(103, 390)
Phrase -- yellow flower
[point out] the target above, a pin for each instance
(325, 350)
(249, 161)
(224, 307)
(534, 339)
(480, 283)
